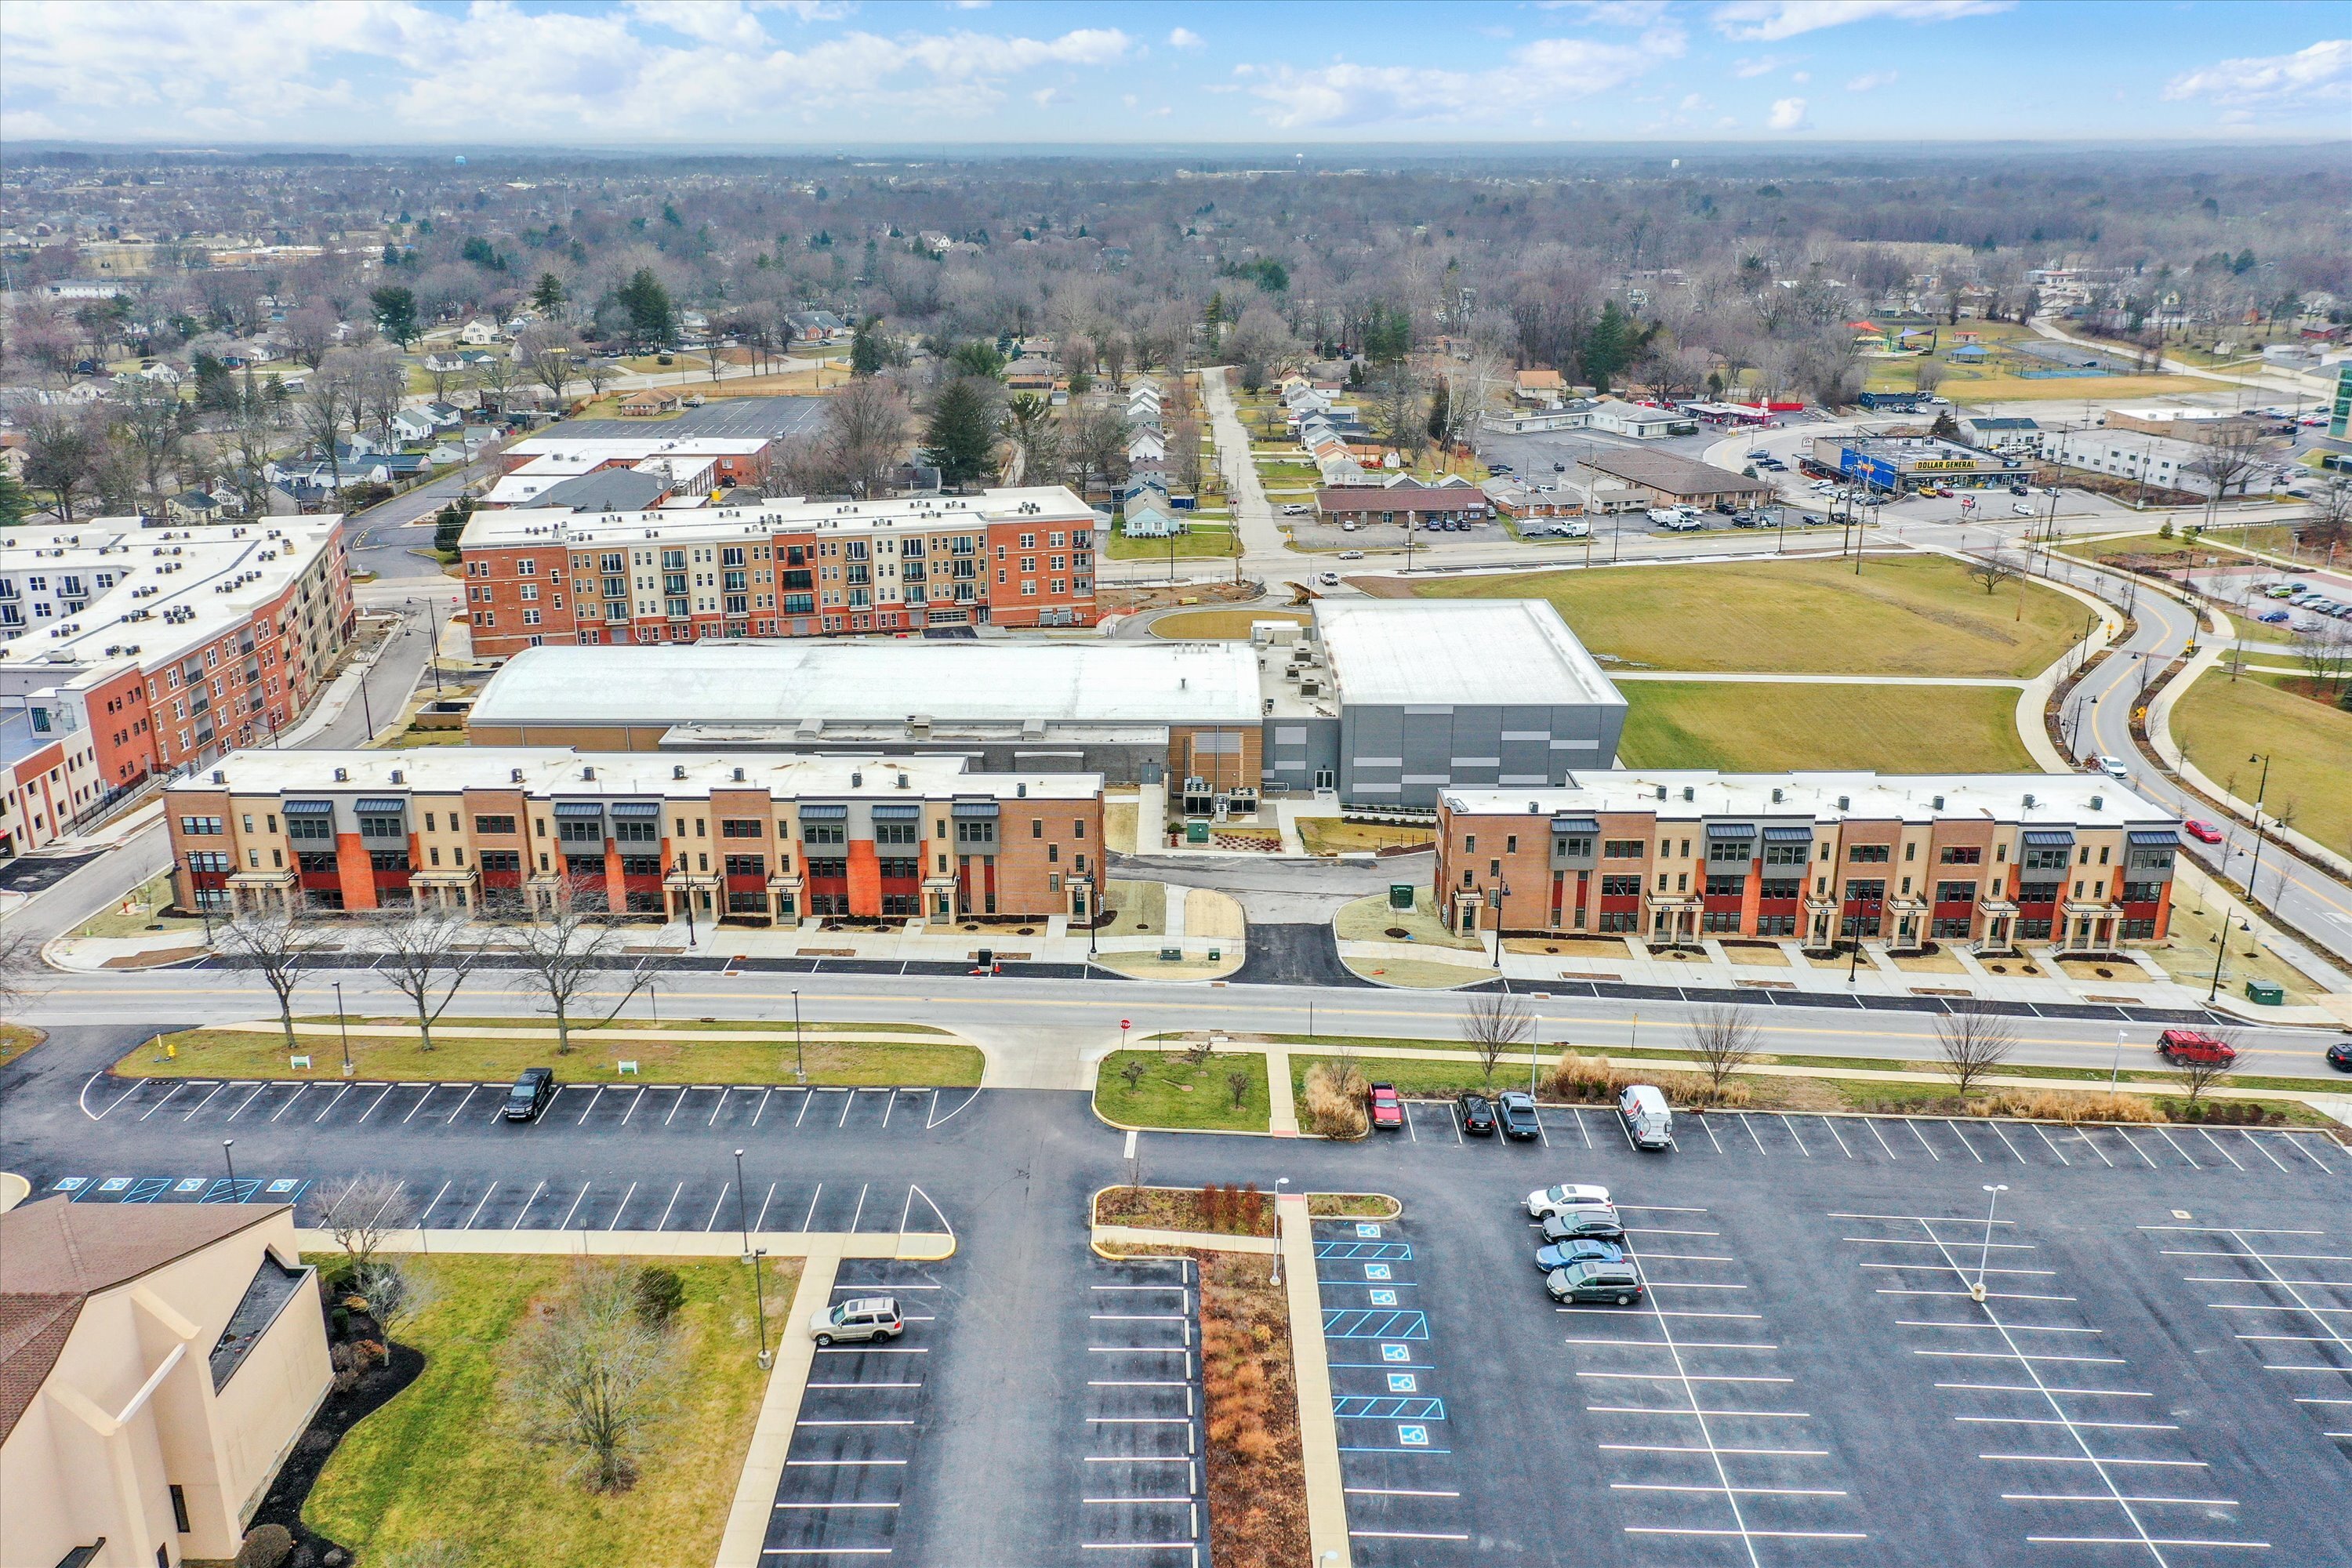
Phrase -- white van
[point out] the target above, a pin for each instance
(1648, 1123)
(1665, 516)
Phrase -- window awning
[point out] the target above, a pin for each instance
(372, 805)
(2154, 837)
(1575, 825)
(2049, 837)
(635, 808)
(824, 811)
(309, 808)
(1733, 830)
(579, 808)
(1787, 835)
(899, 811)
(975, 808)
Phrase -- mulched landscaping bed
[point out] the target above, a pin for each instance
(1257, 1469)
(1228, 1210)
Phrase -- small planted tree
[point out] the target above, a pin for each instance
(273, 943)
(1973, 1042)
(563, 950)
(395, 1294)
(424, 961)
(1497, 1022)
(592, 1375)
(1724, 1040)
(362, 1211)
(2199, 1074)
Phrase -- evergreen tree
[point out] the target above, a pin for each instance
(1441, 415)
(16, 506)
(962, 431)
(651, 315)
(549, 295)
(980, 359)
(396, 313)
(868, 352)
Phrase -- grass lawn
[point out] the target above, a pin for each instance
(1419, 973)
(1172, 1091)
(446, 1461)
(16, 1039)
(1201, 543)
(1218, 625)
(1414, 1075)
(2270, 537)
(2221, 722)
(1370, 918)
(146, 899)
(1330, 835)
(235, 1054)
(2187, 952)
(1910, 616)
(1141, 908)
(1740, 727)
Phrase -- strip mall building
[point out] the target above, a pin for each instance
(1990, 860)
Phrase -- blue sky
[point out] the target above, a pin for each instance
(829, 72)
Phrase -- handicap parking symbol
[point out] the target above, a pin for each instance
(113, 1184)
(1396, 1353)
(1370, 1232)
(1403, 1383)
(1376, 1271)
(1413, 1437)
(283, 1185)
(1385, 1299)
(188, 1185)
(70, 1183)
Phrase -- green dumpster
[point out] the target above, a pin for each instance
(1400, 895)
(1196, 833)
(2266, 993)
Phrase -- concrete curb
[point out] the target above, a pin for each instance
(779, 1412)
(1318, 1426)
(1187, 1240)
(14, 1190)
(910, 1246)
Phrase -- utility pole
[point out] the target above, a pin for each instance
(2262, 793)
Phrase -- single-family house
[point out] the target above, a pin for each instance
(652, 400)
(412, 424)
(2010, 435)
(195, 506)
(444, 453)
(480, 330)
(816, 327)
(1150, 515)
(1539, 386)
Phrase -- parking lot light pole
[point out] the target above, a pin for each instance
(2262, 793)
(1279, 1182)
(343, 1027)
(742, 1212)
(1495, 896)
(1977, 1292)
(760, 1304)
(800, 1065)
(2115, 1063)
(230, 1158)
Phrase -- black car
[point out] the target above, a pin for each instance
(1593, 1221)
(1475, 1113)
(530, 1093)
(1515, 1110)
(2340, 1056)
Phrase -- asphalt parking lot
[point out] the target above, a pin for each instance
(1142, 1485)
(2161, 1370)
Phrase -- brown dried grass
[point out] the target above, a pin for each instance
(1335, 1100)
(1594, 1081)
(1256, 1472)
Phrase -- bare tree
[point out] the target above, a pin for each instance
(1494, 1022)
(363, 1211)
(20, 961)
(563, 950)
(273, 943)
(379, 386)
(328, 398)
(394, 1293)
(1724, 1040)
(546, 353)
(1974, 1042)
(865, 431)
(2229, 461)
(1994, 567)
(309, 332)
(592, 1375)
(596, 370)
(1927, 374)
(61, 455)
(1095, 438)
(2200, 1073)
(422, 958)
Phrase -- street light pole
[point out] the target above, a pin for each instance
(1977, 1293)
(2116, 1062)
(743, 1213)
(229, 1159)
(343, 1027)
(196, 895)
(2262, 793)
(1279, 1182)
(800, 1065)
(686, 893)
(759, 1302)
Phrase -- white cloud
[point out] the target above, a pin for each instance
(1615, 13)
(1184, 38)
(1788, 114)
(1872, 81)
(1769, 21)
(1801, 76)
(1538, 75)
(1762, 65)
(2322, 72)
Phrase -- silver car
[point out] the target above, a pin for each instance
(860, 1319)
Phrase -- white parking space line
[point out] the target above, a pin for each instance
(207, 1099)
(580, 1197)
(2263, 1145)
(461, 1104)
(860, 1213)
(615, 1222)
(2178, 1150)
(809, 1217)
(341, 1090)
(717, 1108)
(1872, 1122)
(476, 1213)
(2053, 1147)
(761, 1223)
(2083, 1133)
(2136, 1149)
(2300, 1146)
(249, 1098)
(2219, 1149)
(682, 1092)
(2007, 1144)
(712, 1221)
(1912, 1124)
(662, 1222)
(526, 1205)
(637, 1098)
(1582, 1128)
(1790, 1124)
(162, 1102)
(589, 1109)
(372, 1104)
(762, 1109)
(423, 1213)
(1832, 1124)
(413, 1109)
(1963, 1138)
(118, 1099)
(847, 1099)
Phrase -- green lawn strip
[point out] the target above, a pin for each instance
(1175, 1092)
(1914, 615)
(1765, 727)
(1419, 1076)
(697, 1026)
(2221, 723)
(16, 1039)
(237, 1054)
(1200, 544)
(446, 1460)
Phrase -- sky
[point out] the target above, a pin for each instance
(827, 73)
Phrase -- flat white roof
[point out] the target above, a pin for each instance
(785, 682)
(1462, 653)
(2059, 799)
(1045, 504)
(554, 770)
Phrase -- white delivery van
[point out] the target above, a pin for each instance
(1647, 1120)
(1665, 516)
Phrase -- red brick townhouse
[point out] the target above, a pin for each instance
(126, 650)
(778, 569)
(1990, 860)
(755, 839)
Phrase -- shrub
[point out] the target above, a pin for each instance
(2066, 1105)
(660, 1294)
(266, 1546)
(1335, 1100)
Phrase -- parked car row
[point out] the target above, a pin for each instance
(1641, 1110)
(1582, 1256)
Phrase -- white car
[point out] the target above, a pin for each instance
(1351, 556)
(2114, 768)
(2019, 508)
(1574, 530)
(1328, 579)
(1568, 1195)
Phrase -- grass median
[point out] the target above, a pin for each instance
(2221, 722)
(1767, 727)
(457, 1057)
(445, 1463)
(1168, 1089)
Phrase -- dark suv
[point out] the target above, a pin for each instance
(1476, 1112)
(1594, 1279)
(531, 1094)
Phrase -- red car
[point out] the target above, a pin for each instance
(2192, 1045)
(2202, 831)
(1388, 1110)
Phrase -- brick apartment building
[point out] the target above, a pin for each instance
(1990, 860)
(757, 839)
(1019, 557)
(127, 650)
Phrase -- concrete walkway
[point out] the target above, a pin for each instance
(754, 1508)
(1318, 1425)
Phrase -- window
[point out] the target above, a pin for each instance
(895, 868)
(976, 833)
(1961, 855)
(315, 861)
(1956, 892)
(2137, 930)
(199, 827)
(1781, 887)
(1511, 844)
(179, 1512)
(588, 867)
(1727, 851)
(1469, 844)
(2037, 893)
(1729, 887)
(639, 832)
(741, 827)
(640, 865)
(576, 830)
(1036, 827)
(494, 825)
(388, 859)
(1948, 928)
(822, 870)
(1865, 890)
(1869, 854)
(1786, 853)
(2046, 859)
(497, 860)
(1573, 846)
(814, 833)
(1620, 886)
(897, 832)
(1621, 849)
(746, 865)
(2142, 892)
(374, 826)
